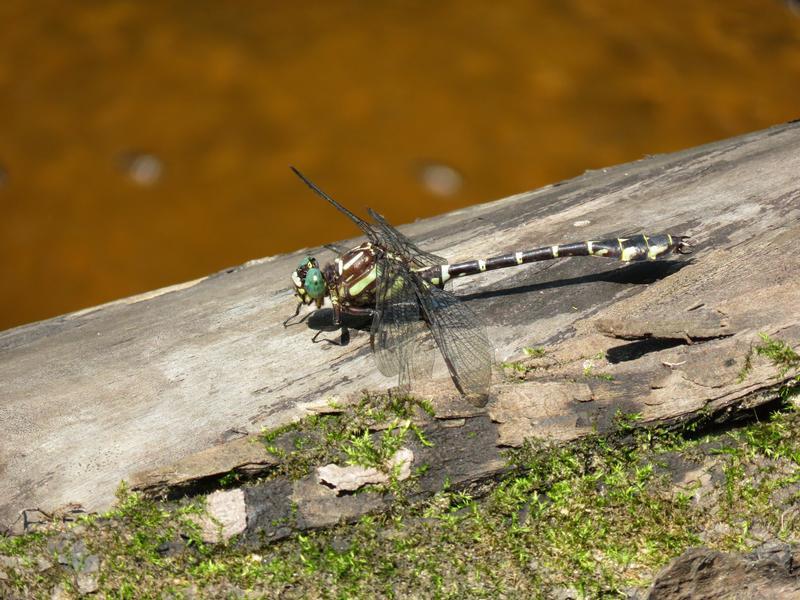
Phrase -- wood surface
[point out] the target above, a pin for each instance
(163, 388)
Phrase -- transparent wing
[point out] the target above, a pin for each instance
(462, 340)
(423, 354)
(381, 232)
(337, 249)
(399, 244)
(399, 337)
(368, 229)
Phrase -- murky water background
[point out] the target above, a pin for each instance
(143, 144)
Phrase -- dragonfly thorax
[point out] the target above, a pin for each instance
(353, 276)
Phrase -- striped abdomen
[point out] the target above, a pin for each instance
(635, 248)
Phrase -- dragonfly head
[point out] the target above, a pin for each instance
(309, 282)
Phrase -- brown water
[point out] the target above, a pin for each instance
(143, 144)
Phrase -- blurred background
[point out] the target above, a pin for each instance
(147, 143)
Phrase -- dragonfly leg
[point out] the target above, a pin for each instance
(356, 311)
(296, 312)
(337, 312)
(343, 340)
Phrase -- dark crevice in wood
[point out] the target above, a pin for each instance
(734, 417)
(204, 485)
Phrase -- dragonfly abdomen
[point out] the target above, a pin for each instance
(635, 248)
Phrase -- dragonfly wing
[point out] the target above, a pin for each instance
(399, 334)
(419, 357)
(400, 244)
(336, 248)
(368, 229)
(462, 340)
(381, 232)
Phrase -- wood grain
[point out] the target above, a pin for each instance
(135, 386)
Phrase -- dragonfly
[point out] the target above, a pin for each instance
(406, 293)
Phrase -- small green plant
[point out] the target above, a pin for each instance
(535, 352)
(588, 371)
(521, 367)
(625, 422)
(349, 435)
(780, 353)
(366, 451)
(783, 356)
(514, 365)
(588, 368)
(230, 479)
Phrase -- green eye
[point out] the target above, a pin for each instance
(314, 283)
(305, 262)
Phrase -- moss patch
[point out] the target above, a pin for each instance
(598, 516)
(366, 434)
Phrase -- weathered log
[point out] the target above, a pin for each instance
(770, 571)
(138, 385)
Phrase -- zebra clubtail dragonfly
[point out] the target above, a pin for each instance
(403, 289)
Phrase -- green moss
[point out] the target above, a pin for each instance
(779, 352)
(589, 368)
(367, 433)
(515, 365)
(605, 376)
(518, 369)
(783, 356)
(534, 352)
(599, 515)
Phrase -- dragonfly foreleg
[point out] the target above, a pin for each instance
(296, 312)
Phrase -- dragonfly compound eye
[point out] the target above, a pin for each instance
(307, 262)
(314, 283)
